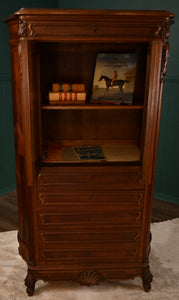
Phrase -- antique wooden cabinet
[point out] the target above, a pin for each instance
(86, 220)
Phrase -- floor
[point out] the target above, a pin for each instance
(162, 211)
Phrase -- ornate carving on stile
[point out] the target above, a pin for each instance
(163, 33)
(165, 56)
(26, 29)
(89, 278)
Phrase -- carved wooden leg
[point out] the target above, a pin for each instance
(147, 279)
(30, 283)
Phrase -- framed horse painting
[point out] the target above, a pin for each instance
(114, 78)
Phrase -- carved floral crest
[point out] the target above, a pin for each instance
(26, 29)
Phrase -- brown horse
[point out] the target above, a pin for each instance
(120, 83)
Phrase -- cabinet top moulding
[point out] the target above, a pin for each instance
(91, 24)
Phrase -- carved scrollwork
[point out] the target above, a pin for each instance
(42, 219)
(140, 198)
(42, 236)
(163, 32)
(158, 31)
(89, 278)
(138, 217)
(26, 29)
(31, 31)
(137, 236)
(42, 199)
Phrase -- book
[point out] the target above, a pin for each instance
(52, 154)
(66, 87)
(66, 97)
(59, 154)
(89, 152)
(114, 78)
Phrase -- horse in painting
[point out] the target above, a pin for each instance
(120, 83)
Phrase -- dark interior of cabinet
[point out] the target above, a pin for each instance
(75, 63)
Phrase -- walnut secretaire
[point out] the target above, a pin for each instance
(85, 170)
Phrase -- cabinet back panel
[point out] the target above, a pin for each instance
(92, 125)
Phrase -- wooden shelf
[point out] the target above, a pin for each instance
(112, 153)
(92, 106)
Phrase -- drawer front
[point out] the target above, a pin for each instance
(54, 239)
(73, 30)
(89, 216)
(75, 201)
(112, 216)
(91, 178)
(100, 254)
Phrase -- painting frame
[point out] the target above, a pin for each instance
(114, 78)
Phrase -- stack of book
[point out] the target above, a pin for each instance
(66, 93)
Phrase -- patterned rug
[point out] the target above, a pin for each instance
(164, 264)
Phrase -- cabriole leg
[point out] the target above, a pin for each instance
(30, 283)
(147, 279)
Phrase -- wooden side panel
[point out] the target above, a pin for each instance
(19, 142)
(151, 136)
(25, 163)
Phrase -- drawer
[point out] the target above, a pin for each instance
(75, 201)
(112, 216)
(76, 29)
(53, 239)
(91, 254)
(90, 178)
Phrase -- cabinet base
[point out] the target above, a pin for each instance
(88, 278)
